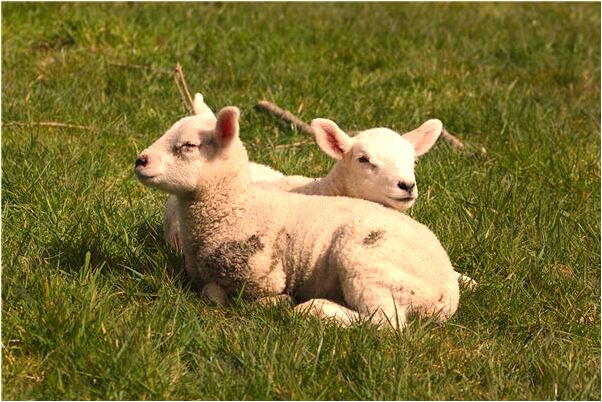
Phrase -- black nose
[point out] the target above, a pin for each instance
(406, 186)
(141, 160)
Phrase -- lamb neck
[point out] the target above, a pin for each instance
(205, 213)
(333, 184)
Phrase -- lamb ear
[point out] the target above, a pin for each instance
(226, 128)
(425, 136)
(331, 138)
(200, 107)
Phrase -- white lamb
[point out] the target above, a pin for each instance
(376, 165)
(345, 257)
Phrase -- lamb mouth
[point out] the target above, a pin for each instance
(403, 199)
(144, 177)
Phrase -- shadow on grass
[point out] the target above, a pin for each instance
(146, 254)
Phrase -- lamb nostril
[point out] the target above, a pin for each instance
(406, 186)
(142, 161)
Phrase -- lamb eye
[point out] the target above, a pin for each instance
(363, 159)
(189, 146)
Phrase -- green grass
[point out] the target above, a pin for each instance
(95, 307)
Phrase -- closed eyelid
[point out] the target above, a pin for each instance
(179, 147)
(191, 143)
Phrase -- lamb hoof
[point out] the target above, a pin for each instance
(467, 281)
(214, 293)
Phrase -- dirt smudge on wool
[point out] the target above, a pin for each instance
(229, 263)
(373, 237)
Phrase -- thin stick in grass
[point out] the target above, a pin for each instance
(180, 81)
(285, 115)
(53, 124)
(301, 125)
(451, 139)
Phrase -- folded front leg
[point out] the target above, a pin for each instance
(214, 293)
(329, 310)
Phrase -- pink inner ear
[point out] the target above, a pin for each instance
(226, 129)
(333, 143)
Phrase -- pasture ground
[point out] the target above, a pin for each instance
(94, 305)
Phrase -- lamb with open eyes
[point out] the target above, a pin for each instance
(346, 257)
(375, 165)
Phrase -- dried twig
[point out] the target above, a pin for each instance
(291, 145)
(451, 139)
(285, 115)
(291, 118)
(454, 142)
(54, 124)
(183, 88)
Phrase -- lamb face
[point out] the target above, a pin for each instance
(378, 164)
(381, 168)
(190, 154)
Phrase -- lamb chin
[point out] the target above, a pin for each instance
(408, 204)
(402, 204)
(147, 180)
